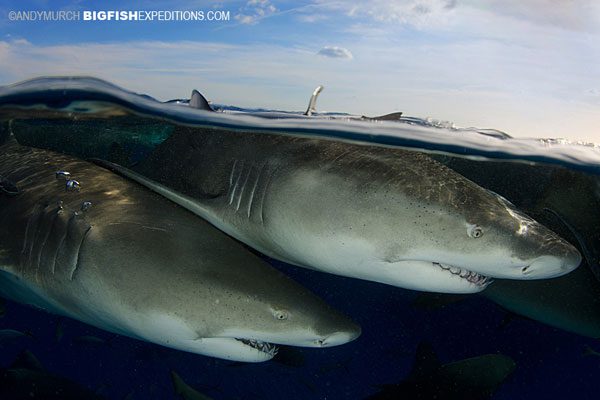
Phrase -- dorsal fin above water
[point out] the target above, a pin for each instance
(199, 102)
(26, 360)
(395, 116)
(312, 104)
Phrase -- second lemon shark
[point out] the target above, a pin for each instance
(80, 241)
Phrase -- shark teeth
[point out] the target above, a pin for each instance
(472, 277)
(265, 347)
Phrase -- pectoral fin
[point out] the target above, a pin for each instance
(189, 203)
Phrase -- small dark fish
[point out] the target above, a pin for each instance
(588, 351)
(59, 331)
(184, 391)
(12, 334)
(90, 340)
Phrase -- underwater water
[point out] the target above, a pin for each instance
(547, 328)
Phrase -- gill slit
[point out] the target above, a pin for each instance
(253, 192)
(237, 180)
(241, 194)
(76, 266)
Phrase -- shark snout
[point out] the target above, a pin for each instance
(553, 265)
(338, 338)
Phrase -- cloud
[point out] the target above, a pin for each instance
(417, 13)
(311, 18)
(254, 11)
(568, 14)
(576, 15)
(335, 52)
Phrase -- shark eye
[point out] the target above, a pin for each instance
(474, 231)
(280, 314)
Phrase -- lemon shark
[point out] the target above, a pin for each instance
(475, 378)
(80, 241)
(545, 191)
(382, 214)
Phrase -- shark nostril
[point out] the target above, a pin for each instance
(525, 269)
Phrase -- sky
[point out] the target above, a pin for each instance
(529, 68)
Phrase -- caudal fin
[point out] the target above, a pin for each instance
(312, 104)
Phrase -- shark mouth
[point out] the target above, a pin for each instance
(470, 276)
(264, 347)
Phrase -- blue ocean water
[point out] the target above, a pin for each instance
(85, 116)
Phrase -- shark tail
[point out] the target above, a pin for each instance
(312, 104)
